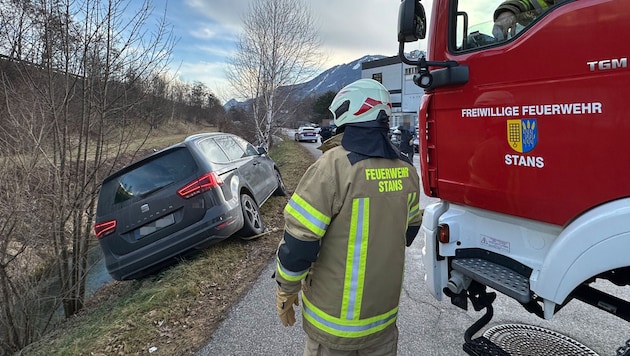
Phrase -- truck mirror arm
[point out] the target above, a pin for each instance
(451, 72)
(424, 78)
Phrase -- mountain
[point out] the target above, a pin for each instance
(333, 79)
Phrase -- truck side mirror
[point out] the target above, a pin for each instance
(412, 21)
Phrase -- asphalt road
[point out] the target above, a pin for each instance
(427, 326)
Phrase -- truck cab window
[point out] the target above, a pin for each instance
(481, 23)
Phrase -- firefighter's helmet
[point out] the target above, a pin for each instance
(361, 102)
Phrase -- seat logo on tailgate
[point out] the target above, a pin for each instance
(144, 208)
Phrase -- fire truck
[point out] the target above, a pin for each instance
(523, 138)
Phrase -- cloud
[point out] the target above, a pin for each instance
(209, 73)
(225, 12)
(204, 33)
(349, 29)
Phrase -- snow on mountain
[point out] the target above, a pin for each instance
(332, 79)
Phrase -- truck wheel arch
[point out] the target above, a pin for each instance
(596, 242)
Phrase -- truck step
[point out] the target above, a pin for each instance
(481, 346)
(496, 276)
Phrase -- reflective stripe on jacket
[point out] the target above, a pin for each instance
(356, 217)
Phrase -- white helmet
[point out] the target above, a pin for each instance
(360, 101)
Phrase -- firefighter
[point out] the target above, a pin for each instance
(325, 133)
(511, 12)
(346, 228)
(406, 142)
(395, 137)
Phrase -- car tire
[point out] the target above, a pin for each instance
(252, 219)
(281, 190)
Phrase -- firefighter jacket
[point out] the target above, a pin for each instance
(526, 10)
(344, 245)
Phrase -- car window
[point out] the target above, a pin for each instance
(211, 151)
(250, 150)
(231, 147)
(151, 175)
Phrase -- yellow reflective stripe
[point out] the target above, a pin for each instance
(542, 4)
(414, 209)
(356, 257)
(290, 276)
(343, 327)
(307, 215)
(534, 4)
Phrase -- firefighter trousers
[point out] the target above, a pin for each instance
(387, 348)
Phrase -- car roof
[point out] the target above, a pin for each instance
(150, 156)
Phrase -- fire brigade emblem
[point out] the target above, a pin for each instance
(522, 135)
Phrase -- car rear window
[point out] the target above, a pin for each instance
(142, 179)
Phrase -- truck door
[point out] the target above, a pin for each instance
(540, 107)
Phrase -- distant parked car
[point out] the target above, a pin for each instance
(306, 133)
(184, 197)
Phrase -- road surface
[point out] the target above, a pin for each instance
(427, 326)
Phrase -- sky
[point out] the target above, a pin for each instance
(206, 31)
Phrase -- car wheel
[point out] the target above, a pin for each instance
(252, 220)
(281, 190)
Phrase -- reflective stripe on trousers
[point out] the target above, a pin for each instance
(350, 324)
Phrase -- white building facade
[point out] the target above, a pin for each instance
(397, 77)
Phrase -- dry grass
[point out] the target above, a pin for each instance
(178, 310)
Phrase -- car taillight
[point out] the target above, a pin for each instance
(105, 228)
(200, 185)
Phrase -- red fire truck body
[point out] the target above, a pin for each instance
(524, 141)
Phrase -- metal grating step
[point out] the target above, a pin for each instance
(495, 276)
(481, 346)
(524, 340)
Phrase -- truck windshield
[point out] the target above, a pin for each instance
(476, 26)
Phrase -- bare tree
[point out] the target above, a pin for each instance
(279, 47)
(72, 109)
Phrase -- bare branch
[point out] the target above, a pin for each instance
(279, 48)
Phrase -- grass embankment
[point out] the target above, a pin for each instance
(177, 311)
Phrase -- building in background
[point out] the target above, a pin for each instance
(397, 77)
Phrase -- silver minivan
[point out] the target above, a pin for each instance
(184, 197)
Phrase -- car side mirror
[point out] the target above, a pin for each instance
(262, 150)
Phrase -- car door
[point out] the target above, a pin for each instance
(246, 165)
(265, 175)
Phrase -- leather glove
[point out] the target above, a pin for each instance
(504, 25)
(284, 304)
